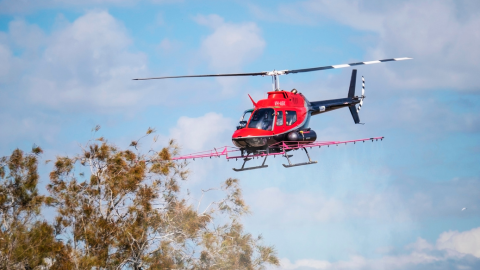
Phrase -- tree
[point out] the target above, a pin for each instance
(128, 212)
(25, 240)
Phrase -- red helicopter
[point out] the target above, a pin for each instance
(280, 123)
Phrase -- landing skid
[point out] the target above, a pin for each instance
(298, 164)
(251, 168)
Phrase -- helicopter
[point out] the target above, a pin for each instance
(279, 124)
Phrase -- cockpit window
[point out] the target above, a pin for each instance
(279, 118)
(291, 117)
(262, 119)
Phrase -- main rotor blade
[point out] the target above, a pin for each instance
(345, 65)
(278, 72)
(207, 75)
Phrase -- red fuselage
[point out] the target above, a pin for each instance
(272, 119)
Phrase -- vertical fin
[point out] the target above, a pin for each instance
(351, 90)
(351, 94)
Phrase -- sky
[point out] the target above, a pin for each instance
(66, 66)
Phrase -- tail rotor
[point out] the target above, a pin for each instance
(363, 95)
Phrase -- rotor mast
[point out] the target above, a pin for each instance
(275, 78)
(275, 83)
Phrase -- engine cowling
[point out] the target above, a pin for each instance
(302, 136)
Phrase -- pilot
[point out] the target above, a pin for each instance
(268, 122)
(269, 127)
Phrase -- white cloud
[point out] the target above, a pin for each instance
(37, 128)
(401, 203)
(166, 1)
(229, 48)
(231, 45)
(441, 36)
(26, 35)
(441, 43)
(405, 201)
(315, 264)
(422, 115)
(27, 6)
(423, 256)
(202, 133)
(168, 45)
(467, 242)
(21, 36)
(87, 65)
(6, 59)
(307, 207)
(357, 13)
(316, 207)
(285, 14)
(212, 20)
(84, 66)
(420, 244)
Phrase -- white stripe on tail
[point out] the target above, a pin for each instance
(363, 95)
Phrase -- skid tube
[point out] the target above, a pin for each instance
(251, 168)
(298, 164)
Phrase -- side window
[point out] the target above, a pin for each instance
(291, 117)
(244, 119)
(246, 116)
(279, 118)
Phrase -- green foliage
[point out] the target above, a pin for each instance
(121, 209)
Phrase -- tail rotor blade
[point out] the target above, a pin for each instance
(363, 95)
(360, 105)
(363, 87)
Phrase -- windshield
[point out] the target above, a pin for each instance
(262, 119)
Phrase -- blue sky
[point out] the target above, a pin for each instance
(67, 66)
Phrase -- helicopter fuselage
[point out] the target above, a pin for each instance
(283, 116)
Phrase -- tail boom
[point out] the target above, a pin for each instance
(350, 101)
